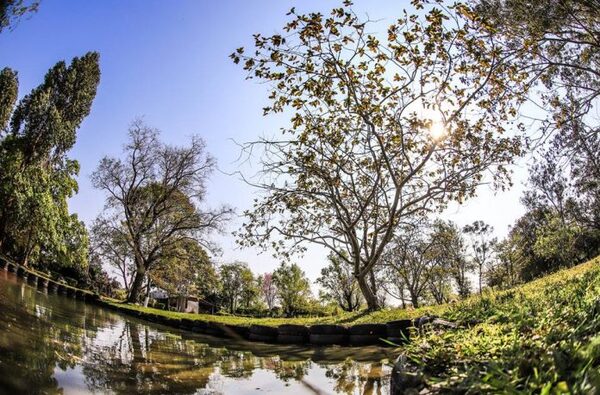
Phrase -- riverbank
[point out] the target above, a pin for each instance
(385, 327)
(43, 281)
(451, 311)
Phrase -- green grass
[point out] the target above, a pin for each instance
(542, 337)
(345, 318)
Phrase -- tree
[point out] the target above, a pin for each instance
(98, 279)
(382, 129)
(556, 43)
(482, 245)
(238, 286)
(13, 10)
(110, 246)
(439, 285)
(411, 261)
(505, 271)
(36, 177)
(153, 198)
(181, 268)
(339, 284)
(268, 290)
(293, 288)
(450, 253)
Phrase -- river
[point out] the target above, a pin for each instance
(53, 344)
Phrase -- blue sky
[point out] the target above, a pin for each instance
(167, 61)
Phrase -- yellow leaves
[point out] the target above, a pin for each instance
(297, 120)
(372, 43)
(379, 69)
(466, 12)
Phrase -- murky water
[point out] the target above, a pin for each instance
(54, 344)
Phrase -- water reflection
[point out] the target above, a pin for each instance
(54, 344)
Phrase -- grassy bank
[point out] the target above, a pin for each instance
(543, 337)
(469, 309)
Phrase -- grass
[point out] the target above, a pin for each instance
(542, 337)
(345, 318)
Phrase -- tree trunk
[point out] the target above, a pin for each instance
(136, 287)
(414, 299)
(480, 270)
(369, 295)
(147, 298)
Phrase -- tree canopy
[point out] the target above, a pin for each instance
(383, 128)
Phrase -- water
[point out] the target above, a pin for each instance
(52, 344)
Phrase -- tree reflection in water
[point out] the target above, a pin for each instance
(50, 342)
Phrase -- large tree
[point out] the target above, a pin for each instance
(182, 268)
(238, 286)
(411, 261)
(268, 290)
(383, 128)
(110, 246)
(450, 253)
(36, 176)
(154, 198)
(556, 43)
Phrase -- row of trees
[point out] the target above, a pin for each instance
(287, 287)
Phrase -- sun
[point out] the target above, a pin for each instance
(437, 129)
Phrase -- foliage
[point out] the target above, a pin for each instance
(13, 10)
(482, 246)
(555, 43)
(36, 177)
(450, 254)
(98, 281)
(110, 247)
(293, 288)
(542, 241)
(268, 290)
(239, 287)
(185, 269)
(411, 261)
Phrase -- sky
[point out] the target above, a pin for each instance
(167, 62)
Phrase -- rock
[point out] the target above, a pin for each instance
(421, 321)
(441, 322)
(433, 320)
(404, 382)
